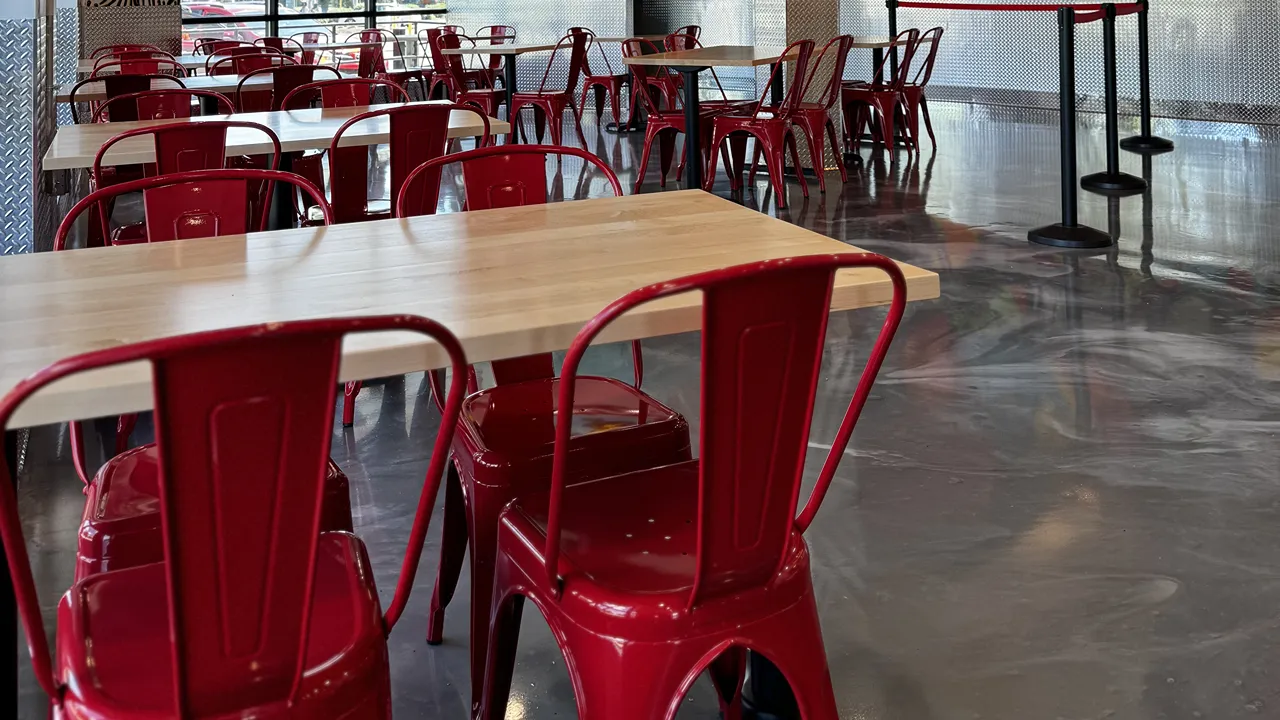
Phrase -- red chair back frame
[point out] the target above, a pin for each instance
(641, 73)
(284, 80)
(372, 58)
(795, 91)
(418, 133)
(186, 147)
(493, 177)
(342, 92)
(212, 46)
(245, 63)
(577, 44)
(169, 103)
(125, 47)
(908, 39)
(152, 65)
(116, 85)
(831, 93)
(763, 331)
(311, 37)
(683, 41)
(260, 400)
(926, 69)
(281, 44)
(498, 35)
(204, 203)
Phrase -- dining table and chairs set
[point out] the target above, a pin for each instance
(229, 273)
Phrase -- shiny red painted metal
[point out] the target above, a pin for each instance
(116, 85)
(913, 99)
(813, 118)
(143, 63)
(498, 35)
(344, 92)
(284, 80)
(860, 98)
(184, 147)
(225, 625)
(552, 102)
(649, 578)
(165, 104)
(245, 60)
(456, 79)
(111, 49)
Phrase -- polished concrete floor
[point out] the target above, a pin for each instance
(1063, 500)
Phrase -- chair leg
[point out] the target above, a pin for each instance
(928, 126)
(124, 428)
(600, 89)
(539, 122)
(349, 403)
(666, 149)
(755, 161)
(817, 154)
(577, 124)
(738, 151)
(789, 139)
(773, 163)
(500, 662)
(727, 673)
(453, 548)
(644, 162)
(831, 136)
(709, 179)
(615, 102)
(644, 681)
(886, 126)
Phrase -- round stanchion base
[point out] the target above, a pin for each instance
(1148, 144)
(1076, 237)
(1120, 184)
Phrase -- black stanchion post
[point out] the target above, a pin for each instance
(1111, 181)
(893, 33)
(1068, 233)
(1145, 142)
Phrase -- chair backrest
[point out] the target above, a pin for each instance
(763, 327)
(163, 104)
(311, 37)
(283, 44)
(635, 47)
(418, 133)
(430, 39)
(284, 80)
(121, 48)
(343, 92)
(210, 46)
(933, 37)
(684, 41)
(184, 147)
(243, 417)
(455, 29)
(576, 45)
(693, 30)
(837, 50)
(498, 35)
(142, 65)
(908, 40)
(451, 64)
(244, 64)
(495, 177)
(803, 49)
(115, 86)
(203, 203)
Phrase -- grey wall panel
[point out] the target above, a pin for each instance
(17, 123)
(157, 24)
(66, 52)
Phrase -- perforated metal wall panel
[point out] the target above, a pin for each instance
(66, 52)
(17, 113)
(1208, 61)
(159, 24)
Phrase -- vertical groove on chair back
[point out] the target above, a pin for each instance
(242, 432)
(189, 210)
(498, 181)
(418, 133)
(187, 147)
(761, 354)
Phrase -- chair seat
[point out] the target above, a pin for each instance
(120, 527)
(115, 653)
(516, 420)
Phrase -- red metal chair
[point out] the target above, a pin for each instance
(814, 117)
(373, 63)
(282, 44)
(503, 445)
(346, 92)
(608, 83)
(676, 42)
(550, 104)
(198, 204)
(649, 578)
(860, 100)
(772, 129)
(246, 63)
(142, 64)
(317, 37)
(913, 99)
(498, 35)
(114, 86)
(254, 611)
(163, 104)
(454, 29)
(122, 48)
(663, 124)
(284, 80)
(211, 46)
(457, 79)
(694, 31)
(417, 132)
(659, 83)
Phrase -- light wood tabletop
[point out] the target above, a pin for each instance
(74, 146)
(713, 56)
(880, 41)
(95, 92)
(624, 38)
(507, 282)
(190, 62)
(500, 49)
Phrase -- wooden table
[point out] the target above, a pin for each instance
(689, 63)
(190, 62)
(95, 92)
(510, 52)
(507, 282)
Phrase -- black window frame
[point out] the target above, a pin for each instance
(273, 17)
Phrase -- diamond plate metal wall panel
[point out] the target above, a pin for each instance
(48, 209)
(1208, 61)
(158, 24)
(17, 113)
(66, 51)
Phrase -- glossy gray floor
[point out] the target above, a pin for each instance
(1063, 499)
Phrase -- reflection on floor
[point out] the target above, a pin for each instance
(1061, 501)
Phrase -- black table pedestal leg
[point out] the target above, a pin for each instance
(775, 87)
(692, 134)
(282, 216)
(509, 80)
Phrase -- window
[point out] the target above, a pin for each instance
(337, 19)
